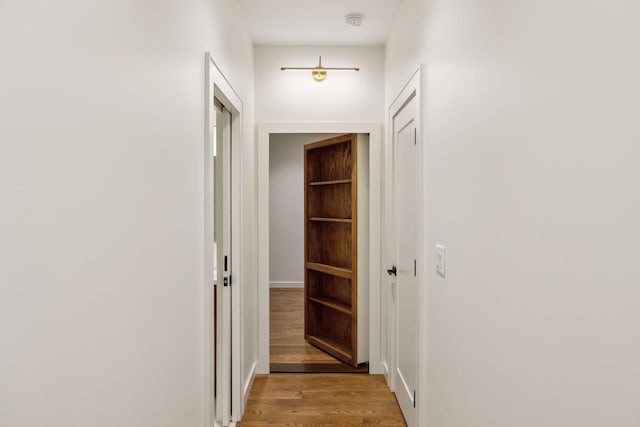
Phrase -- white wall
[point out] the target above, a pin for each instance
(295, 98)
(342, 97)
(532, 185)
(101, 176)
(286, 207)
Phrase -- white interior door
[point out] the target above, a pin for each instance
(223, 320)
(405, 291)
(222, 269)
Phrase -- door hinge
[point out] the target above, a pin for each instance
(415, 268)
(414, 398)
(415, 136)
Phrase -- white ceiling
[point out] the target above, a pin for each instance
(318, 22)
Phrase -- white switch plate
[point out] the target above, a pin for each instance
(440, 252)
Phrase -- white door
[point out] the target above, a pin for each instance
(223, 371)
(405, 242)
(222, 271)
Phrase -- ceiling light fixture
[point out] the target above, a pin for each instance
(319, 73)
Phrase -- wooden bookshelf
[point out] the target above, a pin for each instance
(331, 247)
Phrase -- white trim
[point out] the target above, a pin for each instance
(249, 382)
(385, 369)
(421, 399)
(412, 89)
(237, 265)
(375, 167)
(286, 285)
(263, 249)
(209, 279)
(217, 86)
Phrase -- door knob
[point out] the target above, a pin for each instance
(392, 271)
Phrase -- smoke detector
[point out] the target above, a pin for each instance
(353, 19)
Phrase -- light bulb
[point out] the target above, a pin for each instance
(319, 75)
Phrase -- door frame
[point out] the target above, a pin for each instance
(375, 208)
(217, 86)
(412, 89)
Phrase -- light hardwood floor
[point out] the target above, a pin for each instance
(313, 399)
(321, 400)
(287, 344)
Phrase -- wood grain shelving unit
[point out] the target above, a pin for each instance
(331, 248)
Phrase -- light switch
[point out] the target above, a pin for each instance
(440, 252)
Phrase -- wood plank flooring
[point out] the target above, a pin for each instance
(289, 350)
(287, 344)
(321, 400)
(313, 399)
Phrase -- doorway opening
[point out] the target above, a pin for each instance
(284, 289)
(293, 347)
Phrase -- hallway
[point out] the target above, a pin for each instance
(530, 143)
(321, 400)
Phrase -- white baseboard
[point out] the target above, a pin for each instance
(385, 369)
(292, 285)
(249, 382)
(246, 390)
